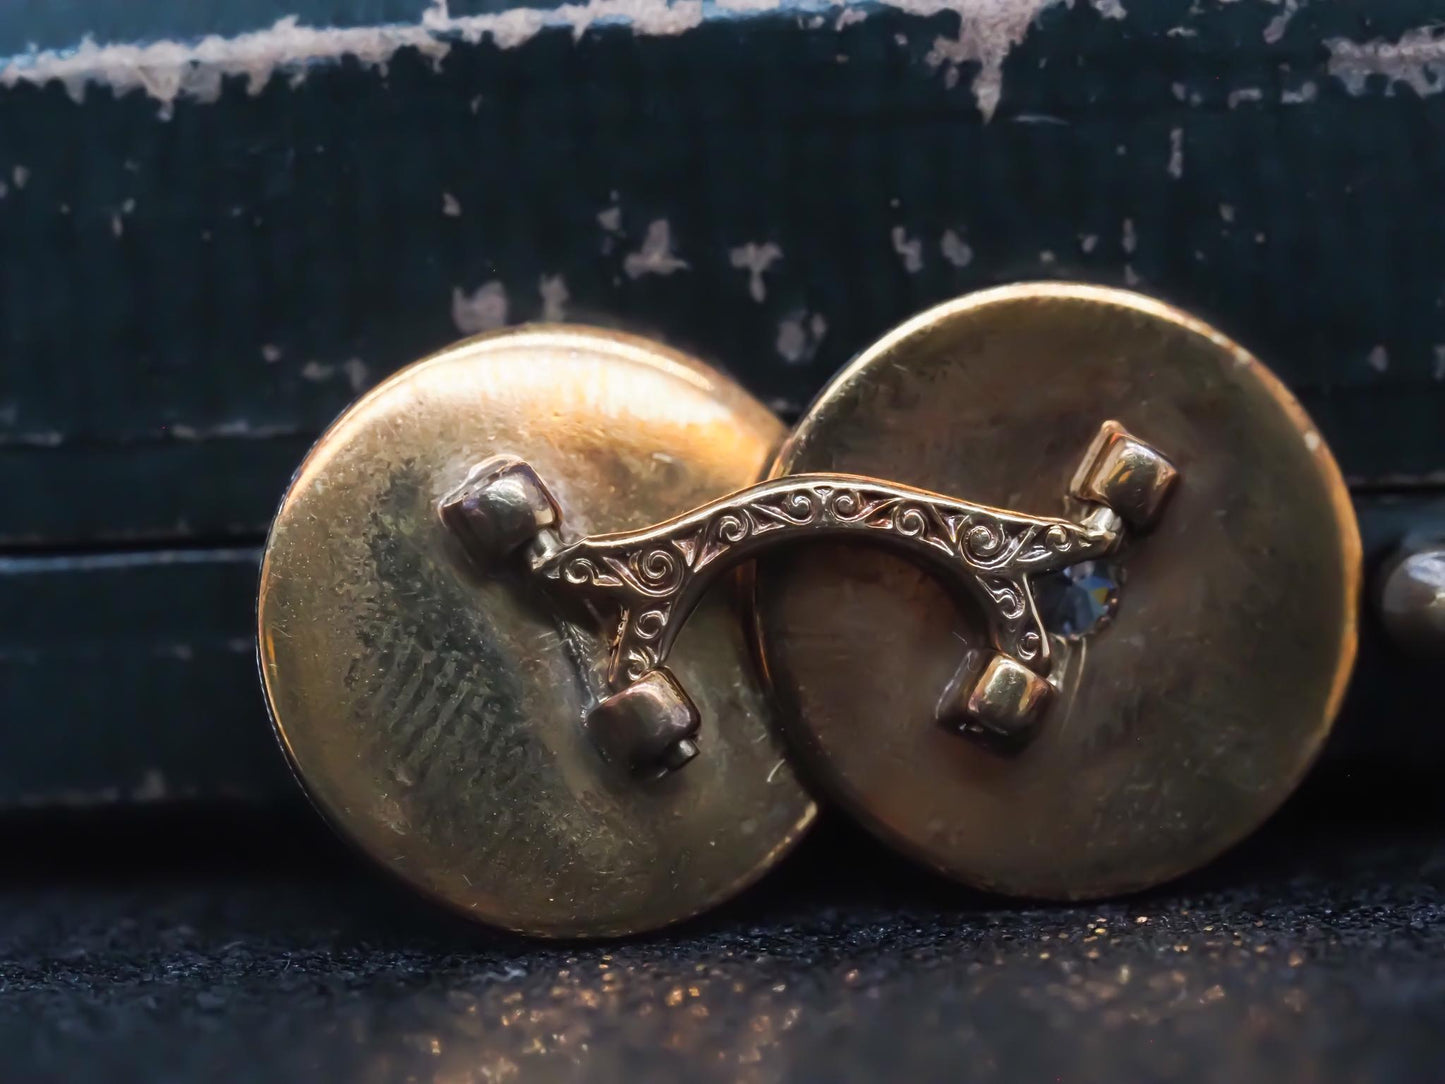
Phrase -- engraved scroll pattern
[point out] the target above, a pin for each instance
(654, 576)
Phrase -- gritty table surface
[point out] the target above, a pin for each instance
(255, 951)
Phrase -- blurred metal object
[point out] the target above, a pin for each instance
(433, 708)
(1175, 726)
(1412, 598)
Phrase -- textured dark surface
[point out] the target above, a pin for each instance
(1314, 954)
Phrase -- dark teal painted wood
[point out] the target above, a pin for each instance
(306, 223)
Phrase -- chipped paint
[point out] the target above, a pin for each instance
(655, 257)
(755, 259)
(799, 335)
(1300, 95)
(988, 30)
(167, 71)
(1275, 28)
(1176, 153)
(955, 249)
(1417, 60)
(484, 309)
(909, 249)
(555, 296)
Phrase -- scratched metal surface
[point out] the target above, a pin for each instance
(1311, 956)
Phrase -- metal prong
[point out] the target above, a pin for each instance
(1121, 471)
(648, 727)
(502, 506)
(995, 700)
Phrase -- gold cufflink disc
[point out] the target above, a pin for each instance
(447, 714)
(1093, 727)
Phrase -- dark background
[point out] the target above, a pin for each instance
(209, 246)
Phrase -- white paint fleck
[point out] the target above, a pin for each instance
(1244, 94)
(1417, 59)
(1301, 95)
(1440, 361)
(19, 174)
(1259, 238)
(1127, 237)
(1131, 277)
(755, 259)
(450, 207)
(1176, 153)
(900, 40)
(1312, 440)
(988, 30)
(799, 335)
(1181, 32)
(848, 16)
(1046, 257)
(355, 370)
(1379, 359)
(484, 309)
(1179, 89)
(1275, 28)
(555, 296)
(955, 249)
(270, 353)
(610, 219)
(909, 248)
(1121, 150)
(1226, 212)
(655, 257)
(1088, 241)
(117, 227)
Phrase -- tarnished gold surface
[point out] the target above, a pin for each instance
(1178, 726)
(434, 711)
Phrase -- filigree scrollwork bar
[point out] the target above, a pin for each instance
(650, 580)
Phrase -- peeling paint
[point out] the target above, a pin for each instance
(555, 296)
(1275, 28)
(1301, 95)
(799, 335)
(168, 71)
(485, 309)
(955, 249)
(910, 249)
(755, 259)
(1417, 59)
(988, 30)
(655, 257)
(1176, 153)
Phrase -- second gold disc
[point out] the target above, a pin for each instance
(1179, 721)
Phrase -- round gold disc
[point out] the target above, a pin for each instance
(434, 713)
(1177, 726)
